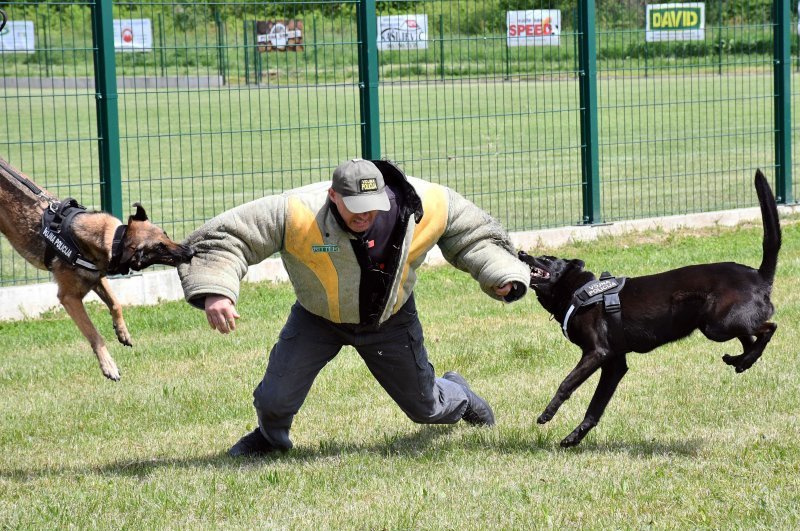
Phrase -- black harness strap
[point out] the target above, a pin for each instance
(57, 233)
(606, 290)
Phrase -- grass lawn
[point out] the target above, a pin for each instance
(685, 443)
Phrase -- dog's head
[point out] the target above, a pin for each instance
(146, 244)
(546, 275)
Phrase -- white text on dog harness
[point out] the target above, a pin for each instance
(606, 289)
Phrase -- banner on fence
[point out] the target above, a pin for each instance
(533, 27)
(17, 36)
(403, 32)
(280, 35)
(675, 22)
(133, 35)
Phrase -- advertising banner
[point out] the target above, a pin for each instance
(534, 27)
(675, 22)
(280, 35)
(17, 36)
(133, 35)
(403, 32)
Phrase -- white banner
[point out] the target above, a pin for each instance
(133, 35)
(533, 27)
(17, 36)
(403, 32)
(675, 22)
(279, 36)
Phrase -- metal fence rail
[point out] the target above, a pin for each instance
(215, 110)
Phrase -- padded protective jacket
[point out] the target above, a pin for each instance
(320, 260)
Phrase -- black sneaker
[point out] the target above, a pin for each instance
(478, 412)
(253, 443)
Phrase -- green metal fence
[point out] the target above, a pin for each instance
(225, 102)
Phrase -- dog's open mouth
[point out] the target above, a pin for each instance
(537, 273)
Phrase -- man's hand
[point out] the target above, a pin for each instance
(502, 291)
(510, 288)
(221, 313)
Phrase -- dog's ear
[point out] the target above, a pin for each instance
(577, 263)
(140, 215)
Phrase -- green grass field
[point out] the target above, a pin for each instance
(685, 443)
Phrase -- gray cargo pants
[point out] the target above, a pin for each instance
(394, 353)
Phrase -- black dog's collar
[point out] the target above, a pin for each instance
(605, 289)
(114, 267)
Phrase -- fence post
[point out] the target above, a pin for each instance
(316, 49)
(246, 55)
(441, 46)
(719, 39)
(587, 56)
(221, 50)
(259, 66)
(161, 43)
(368, 79)
(783, 101)
(48, 71)
(105, 79)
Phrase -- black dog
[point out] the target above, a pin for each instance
(610, 317)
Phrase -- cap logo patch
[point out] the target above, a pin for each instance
(368, 185)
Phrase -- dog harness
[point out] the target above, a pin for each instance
(606, 290)
(57, 233)
(57, 229)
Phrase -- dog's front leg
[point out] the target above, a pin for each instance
(590, 361)
(103, 290)
(71, 293)
(611, 374)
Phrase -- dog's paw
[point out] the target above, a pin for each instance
(730, 360)
(544, 418)
(571, 440)
(112, 373)
(123, 336)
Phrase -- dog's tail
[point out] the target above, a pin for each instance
(772, 227)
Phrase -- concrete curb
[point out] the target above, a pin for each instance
(21, 302)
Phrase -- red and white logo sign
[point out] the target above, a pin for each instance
(133, 35)
(403, 32)
(534, 27)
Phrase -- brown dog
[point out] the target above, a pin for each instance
(610, 317)
(104, 246)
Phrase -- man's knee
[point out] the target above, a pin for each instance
(423, 412)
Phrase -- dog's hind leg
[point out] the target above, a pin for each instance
(590, 362)
(753, 348)
(611, 374)
(747, 343)
(71, 292)
(103, 290)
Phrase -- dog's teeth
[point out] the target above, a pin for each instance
(540, 273)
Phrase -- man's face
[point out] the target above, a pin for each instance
(355, 222)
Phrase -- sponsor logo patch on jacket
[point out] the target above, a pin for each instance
(325, 248)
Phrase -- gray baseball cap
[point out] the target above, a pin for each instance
(360, 183)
